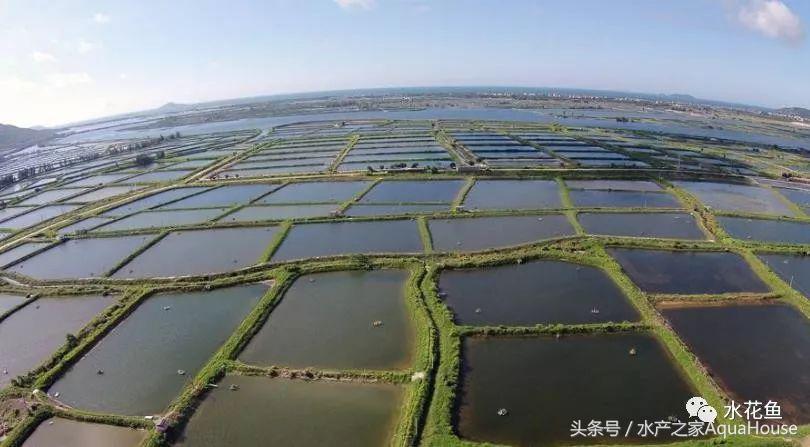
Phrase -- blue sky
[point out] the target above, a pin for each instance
(68, 60)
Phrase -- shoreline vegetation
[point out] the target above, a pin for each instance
(431, 383)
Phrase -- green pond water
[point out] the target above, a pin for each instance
(326, 321)
(141, 357)
(58, 432)
(29, 336)
(283, 412)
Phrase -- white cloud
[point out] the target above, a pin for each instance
(100, 17)
(60, 80)
(84, 47)
(360, 4)
(772, 19)
(42, 57)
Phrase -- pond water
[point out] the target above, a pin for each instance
(658, 225)
(381, 210)
(98, 256)
(688, 272)
(545, 384)
(99, 180)
(332, 316)
(340, 238)
(153, 201)
(84, 224)
(614, 185)
(58, 432)
(794, 270)
(38, 216)
(8, 302)
(315, 192)
(740, 198)
(282, 412)
(51, 196)
(159, 176)
(798, 196)
(200, 252)
(481, 233)
(163, 218)
(23, 349)
(9, 212)
(622, 199)
(103, 193)
(9, 256)
(405, 191)
(541, 292)
(223, 196)
(513, 194)
(279, 212)
(780, 231)
(767, 358)
(141, 357)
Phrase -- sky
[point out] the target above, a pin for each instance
(64, 61)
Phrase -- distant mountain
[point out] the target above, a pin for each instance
(793, 111)
(13, 137)
(174, 107)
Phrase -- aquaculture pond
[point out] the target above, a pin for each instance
(38, 216)
(167, 218)
(381, 210)
(315, 192)
(280, 212)
(99, 180)
(199, 252)
(223, 196)
(541, 292)
(545, 384)
(622, 199)
(98, 256)
(800, 197)
(341, 320)
(58, 432)
(23, 349)
(656, 225)
(264, 411)
(9, 256)
(779, 231)
(8, 302)
(688, 272)
(153, 201)
(407, 191)
(140, 366)
(739, 198)
(51, 196)
(615, 185)
(481, 233)
(340, 238)
(103, 193)
(794, 270)
(756, 351)
(84, 225)
(513, 194)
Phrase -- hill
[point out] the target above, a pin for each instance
(13, 137)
